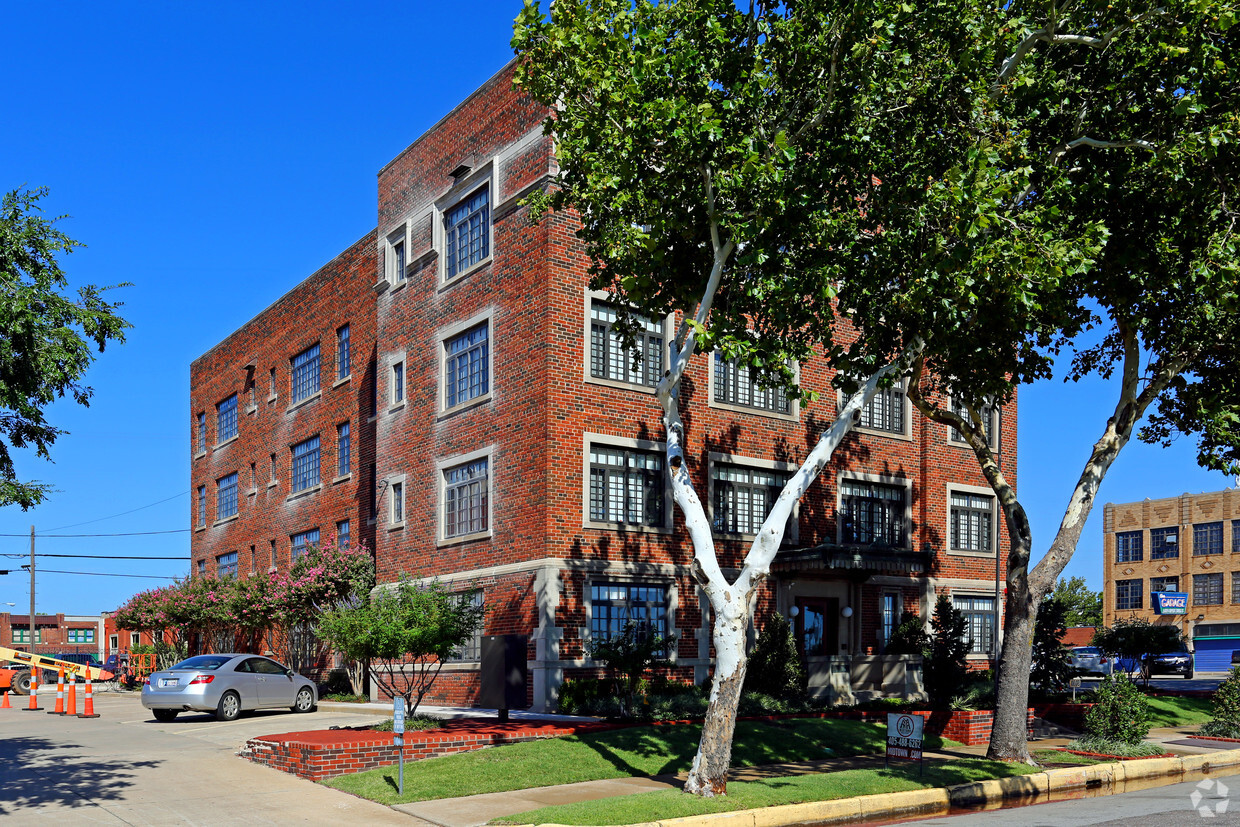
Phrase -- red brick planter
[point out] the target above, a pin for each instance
(1069, 715)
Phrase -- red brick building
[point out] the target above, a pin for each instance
(485, 428)
(54, 634)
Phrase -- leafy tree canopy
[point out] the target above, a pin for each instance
(1082, 605)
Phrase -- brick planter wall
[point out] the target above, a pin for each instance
(1069, 715)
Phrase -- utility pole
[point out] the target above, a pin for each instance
(32, 649)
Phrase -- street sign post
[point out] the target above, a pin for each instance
(904, 734)
(398, 740)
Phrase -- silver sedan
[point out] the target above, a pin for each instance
(227, 685)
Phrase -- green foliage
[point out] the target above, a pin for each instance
(1082, 605)
(774, 666)
(1226, 708)
(46, 336)
(944, 668)
(1120, 712)
(1132, 638)
(1120, 749)
(629, 654)
(909, 638)
(1051, 666)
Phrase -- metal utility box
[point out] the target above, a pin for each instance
(504, 673)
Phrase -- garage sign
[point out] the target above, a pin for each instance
(1170, 603)
(904, 736)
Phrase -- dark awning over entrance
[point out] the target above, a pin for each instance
(835, 559)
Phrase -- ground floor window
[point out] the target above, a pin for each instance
(614, 604)
(471, 650)
(979, 619)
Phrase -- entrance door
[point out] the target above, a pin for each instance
(818, 626)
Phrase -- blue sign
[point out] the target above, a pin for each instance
(1170, 603)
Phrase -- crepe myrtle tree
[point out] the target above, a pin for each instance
(1127, 114)
(738, 167)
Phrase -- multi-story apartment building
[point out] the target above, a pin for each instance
(1177, 545)
(449, 391)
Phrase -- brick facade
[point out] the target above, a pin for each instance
(534, 551)
(54, 634)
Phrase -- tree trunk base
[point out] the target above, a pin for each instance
(709, 775)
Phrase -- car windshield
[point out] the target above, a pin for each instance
(203, 662)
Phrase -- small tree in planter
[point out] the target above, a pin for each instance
(945, 666)
(775, 664)
(1120, 715)
(1132, 639)
(629, 654)
(1226, 720)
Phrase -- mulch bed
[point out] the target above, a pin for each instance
(1116, 757)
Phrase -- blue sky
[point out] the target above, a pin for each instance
(216, 154)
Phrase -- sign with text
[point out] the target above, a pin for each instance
(1170, 603)
(398, 716)
(904, 736)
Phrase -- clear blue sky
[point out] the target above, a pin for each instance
(216, 154)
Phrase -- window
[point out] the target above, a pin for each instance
(396, 504)
(306, 373)
(1207, 589)
(306, 464)
(1207, 539)
(202, 567)
(343, 534)
(466, 499)
(626, 486)
(872, 513)
(344, 462)
(304, 541)
(373, 370)
(273, 553)
(344, 363)
(226, 419)
(202, 505)
(272, 377)
(274, 476)
(472, 648)
(202, 433)
(614, 604)
(972, 522)
(988, 414)
(885, 411)
(135, 639)
(81, 635)
(114, 642)
(1128, 547)
(1164, 543)
(610, 360)
(743, 497)
(1164, 584)
(398, 270)
(374, 491)
(23, 635)
(1235, 587)
(735, 385)
(979, 622)
(226, 564)
(468, 227)
(398, 383)
(226, 496)
(466, 366)
(889, 613)
(1128, 595)
(253, 561)
(1235, 536)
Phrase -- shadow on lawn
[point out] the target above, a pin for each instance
(38, 772)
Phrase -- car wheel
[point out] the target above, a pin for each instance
(1188, 676)
(21, 683)
(304, 701)
(229, 708)
(165, 715)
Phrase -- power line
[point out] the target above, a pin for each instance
(94, 556)
(122, 514)
(104, 574)
(121, 534)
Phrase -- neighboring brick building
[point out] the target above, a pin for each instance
(1187, 544)
(54, 634)
(499, 440)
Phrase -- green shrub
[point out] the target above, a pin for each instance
(1120, 749)
(1120, 712)
(578, 695)
(944, 668)
(775, 664)
(1226, 707)
(909, 638)
(1051, 668)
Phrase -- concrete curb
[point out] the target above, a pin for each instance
(977, 795)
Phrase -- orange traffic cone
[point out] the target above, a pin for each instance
(6, 704)
(34, 694)
(60, 693)
(71, 701)
(88, 708)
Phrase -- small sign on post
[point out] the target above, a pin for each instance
(398, 740)
(904, 734)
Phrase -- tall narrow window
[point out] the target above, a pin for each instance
(202, 505)
(398, 383)
(273, 476)
(202, 433)
(397, 499)
(972, 522)
(226, 496)
(303, 542)
(626, 486)
(306, 373)
(273, 553)
(343, 534)
(468, 227)
(226, 419)
(306, 464)
(610, 360)
(253, 476)
(344, 361)
(872, 513)
(272, 386)
(471, 649)
(398, 261)
(466, 499)
(466, 366)
(1128, 548)
(889, 616)
(344, 450)
(737, 385)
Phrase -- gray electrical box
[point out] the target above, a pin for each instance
(504, 673)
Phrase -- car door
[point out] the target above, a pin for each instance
(275, 687)
(245, 681)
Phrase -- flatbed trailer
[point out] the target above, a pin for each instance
(17, 679)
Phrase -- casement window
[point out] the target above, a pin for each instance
(1128, 595)
(611, 361)
(271, 376)
(202, 505)
(1207, 589)
(344, 450)
(396, 383)
(253, 477)
(1128, 548)
(226, 419)
(303, 542)
(979, 622)
(988, 413)
(743, 497)
(226, 496)
(467, 366)
(23, 635)
(467, 230)
(1207, 539)
(1164, 543)
(1164, 584)
(273, 552)
(344, 359)
(398, 269)
(972, 522)
(202, 567)
(886, 410)
(305, 374)
(626, 486)
(344, 537)
(736, 385)
(466, 498)
(1235, 536)
(306, 464)
(396, 503)
(873, 513)
(471, 649)
(612, 605)
(1235, 587)
(202, 434)
(226, 564)
(81, 635)
(253, 560)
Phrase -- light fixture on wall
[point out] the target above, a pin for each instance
(846, 611)
(1201, 617)
(794, 611)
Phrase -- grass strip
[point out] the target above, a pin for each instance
(1172, 711)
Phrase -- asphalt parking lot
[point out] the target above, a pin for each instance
(124, 768)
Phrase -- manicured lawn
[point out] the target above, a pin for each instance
(638, 751)
(1179, 711)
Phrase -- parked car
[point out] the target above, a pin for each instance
(1235, 658)
(227, 684)
(1177, 662)
(1089, 660)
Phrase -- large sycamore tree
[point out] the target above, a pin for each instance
(769, 172)
(1128, 114)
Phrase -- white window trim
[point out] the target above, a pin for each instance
(905, 436)
(794, 405)
(397, 235)
(340, 380)
(484, 175)
(996, 422)
(885, 480)
(669, 333)
(588, 439)
(486, 317)
(994, 520)
(444, 465)
(390, 501)
(631, 579)
(714, 458)
(394, 359)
